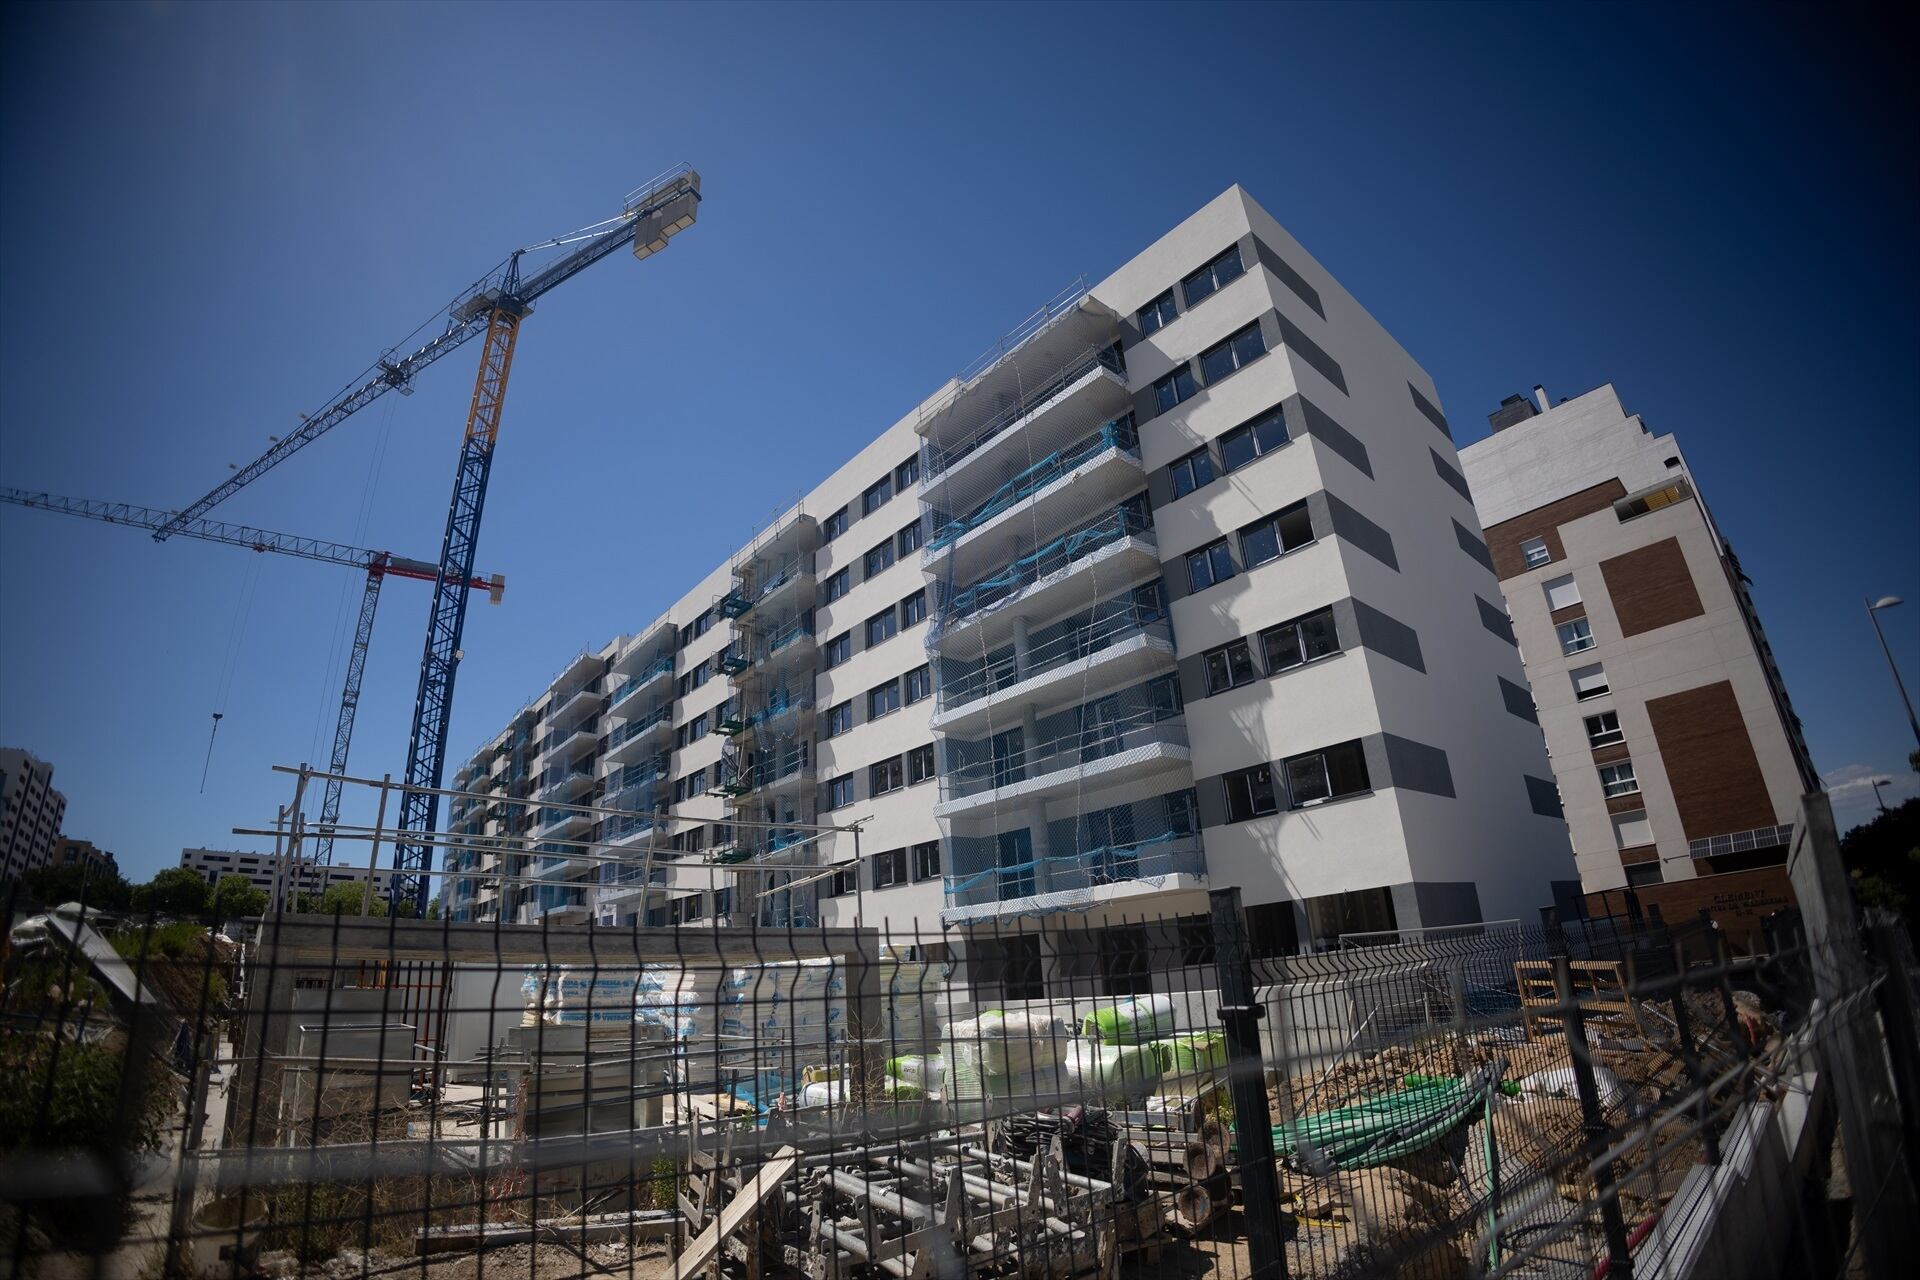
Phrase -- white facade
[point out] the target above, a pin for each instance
(259, 869)
(1048, 648)
(1563, 492)
(30, 812)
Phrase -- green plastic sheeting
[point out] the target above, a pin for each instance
(1384, 1128)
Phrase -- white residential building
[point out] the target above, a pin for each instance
(30, 813)
(1680, 759)
(1178, 587)
(259, 869)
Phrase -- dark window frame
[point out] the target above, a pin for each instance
(840, 792)
(1252, 792)
(913, 610)
(1175, 387)
(1352, 756)
(1279, 523)
(881, 627)
(1296, 628)
(884, 777)
(888, 693)
(1240, 348)
(1211, 556)
(920, 761)
(1217, 274)
(837, 649)
(1222, 672)
(1157, 314)
(1191, 466)
(1258, 433)
(835, 525)
(876, 495)
(839, 719)
(883, 549)
(839, 583)
(921, 677)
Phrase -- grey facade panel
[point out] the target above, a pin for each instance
(1305, 418)
(1387, 637)
(1212, 795)
(1285, 274)
(1363, 533)
(1544, 797)
(1495, 619)
(1430, 411)
(1146, 405)
(1415, 766)
(1432, 904)
(1471, 544)
(1174, 580)
(1159, 488)
(1449, 473)
(1310, 351)
(1193, 677)
(1519, 701)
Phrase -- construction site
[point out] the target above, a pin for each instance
(614, 1021)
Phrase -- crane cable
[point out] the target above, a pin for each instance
(223, 682)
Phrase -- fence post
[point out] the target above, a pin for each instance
(1683, 1027)
(1895, 997)
(1253, 1128)
(1574, 1023)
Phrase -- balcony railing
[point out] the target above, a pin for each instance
(1053, 647)
(1091, 733)
(1118, 434)
(1077, 872)
(660, 667)
(936, 459)
(1129, 520)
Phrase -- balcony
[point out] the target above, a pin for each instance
(552, 822)
(626, 830)
(660, 669)
(993, 885)
(569, 742)
(554, 866)
(1086, 748)
(1078, 661)
(566, 705)
(1099, 470)
(619, 881)
(1118, 544)
(634, 739)
(560, 786)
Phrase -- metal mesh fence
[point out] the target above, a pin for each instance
(353, 1096)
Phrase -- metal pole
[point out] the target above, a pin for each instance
(1873, 616)
(373, 846)
(1573, 1022)
(293, 824)
(1240, 1017)
(279, 859)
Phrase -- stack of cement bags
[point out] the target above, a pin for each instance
(579, 995)
(786, 1002)
(1007, 1055)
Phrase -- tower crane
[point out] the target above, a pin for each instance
(376, 564)
(494, 307)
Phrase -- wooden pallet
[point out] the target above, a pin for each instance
(1597, 985)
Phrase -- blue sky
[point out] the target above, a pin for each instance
(215, 214)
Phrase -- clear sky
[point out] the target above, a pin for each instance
(214, 214)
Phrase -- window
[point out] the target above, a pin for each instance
(1250, 793)
(1210, 564)
(1589, 682)
(1211, 278)
(839, 584)
(1229, 666)
(1175, 387)
(1236, 352)
(844, 881)
(1639, 504)
(880, 558)
(840, 791)
(907, 474)
(913, 609)
(919, 683)
(1279, 533)
(1190, 472)
(884, 700)
(1561, 592)
(1604, 729)
(1535, 552)
(1248, 441)
(909, 539)
(1575, 636)
(1326, 775)
(877, 496)
(885, 776)
(839, 719)
(697, 728)
(920, 764)
(882, 626)
(926, 860)
(1641, 874)
(1302, 640)
(839, 649)
(835, 526)
(1617, 779)
(889, 868)
(1157, 314)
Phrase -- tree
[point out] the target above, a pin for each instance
(174, 892)
(433, 908)
(52, 886)
(343, 899)
(1883, 856)
(235, 896)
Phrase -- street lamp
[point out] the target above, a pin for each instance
(1877, 784)
(1873, 616)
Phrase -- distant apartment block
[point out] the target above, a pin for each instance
(1178, 586)
(30, 812)
(1679, 758)
(71, 852)
(259, 868)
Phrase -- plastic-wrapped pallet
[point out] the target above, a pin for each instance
(589, 995)
(801, 1002)
(685, 1003)
(911, 990)
(1132, 1021)
(1112, 1073)
(1007, 1056)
